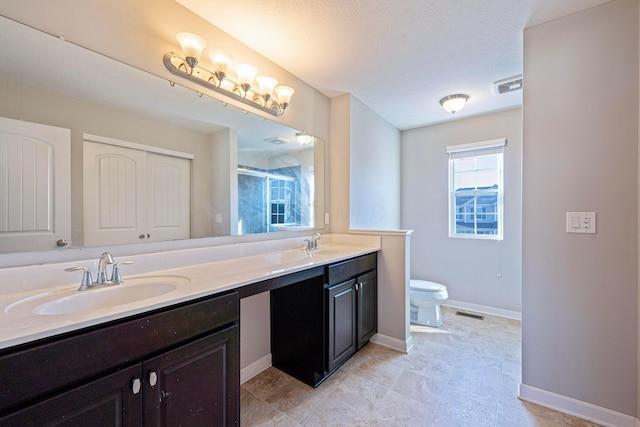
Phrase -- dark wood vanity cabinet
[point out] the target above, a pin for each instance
(352, 307)
(178, 366)
(316, 325)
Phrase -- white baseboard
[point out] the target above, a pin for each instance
(393, 343)
(255, 368)
(485, 309)
(577, 408)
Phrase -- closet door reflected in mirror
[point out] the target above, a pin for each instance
(35, 206)
(134, 195)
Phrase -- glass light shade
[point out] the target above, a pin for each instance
(284, 94)
(221, 60)
(303, 138)
(192, 44)
(267, 84)
(246, 73)
(454, 103)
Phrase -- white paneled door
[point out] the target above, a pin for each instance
(35, 186)
(131, 195)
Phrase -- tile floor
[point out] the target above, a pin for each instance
(463, 374)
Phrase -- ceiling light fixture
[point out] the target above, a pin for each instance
(303, 138)
(454, 103)
(266, 96)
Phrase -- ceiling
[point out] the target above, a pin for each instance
(399, 57)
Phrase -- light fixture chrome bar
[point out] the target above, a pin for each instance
(194, 77)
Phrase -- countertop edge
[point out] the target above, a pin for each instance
(43, 327)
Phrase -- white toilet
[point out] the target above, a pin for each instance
(424, 299)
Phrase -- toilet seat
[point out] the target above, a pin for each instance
(426, 286)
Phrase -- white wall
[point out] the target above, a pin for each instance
(580, 122)
(469, 268)
(375, 170)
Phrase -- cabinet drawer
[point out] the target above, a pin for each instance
(342, 271)
(35, 371)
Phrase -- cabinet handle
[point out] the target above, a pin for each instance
(153, 378)
(136, 384)
(357, 286)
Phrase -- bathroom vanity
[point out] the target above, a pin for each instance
(178, 366)
(178, 362)
(318, 323)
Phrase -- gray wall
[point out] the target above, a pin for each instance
(580, 137)
(374, 170)
(365, 168)
(469, 268)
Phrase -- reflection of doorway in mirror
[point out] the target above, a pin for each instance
(35, 186)
(270, 201)
(133, 194)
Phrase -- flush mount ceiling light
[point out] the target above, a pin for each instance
(454, 103)
(266, 96)
(303, 138)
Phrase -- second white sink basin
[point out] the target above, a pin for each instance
(132, 290)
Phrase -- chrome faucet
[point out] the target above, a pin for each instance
(105, 259)
(312, 243)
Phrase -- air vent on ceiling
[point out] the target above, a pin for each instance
(276, 140)
(507, 85)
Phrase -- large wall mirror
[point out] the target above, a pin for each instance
(147, 161)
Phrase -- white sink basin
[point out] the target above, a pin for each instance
(74, 301)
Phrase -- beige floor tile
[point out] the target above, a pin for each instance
(420, 387)
(465, 373)
(335, 412)
(296, 400)
(399, 410)
(359, 393)
(569, 421)
(463, 411)
(527, 416)
(256, 412)
(267, 383)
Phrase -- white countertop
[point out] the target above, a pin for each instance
(20, 323)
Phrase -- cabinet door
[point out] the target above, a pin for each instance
(109, 401)
(197, 384)
(367, 307)
(341, 323)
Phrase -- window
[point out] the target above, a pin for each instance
(476, 190)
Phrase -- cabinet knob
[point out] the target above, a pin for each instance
(153, 378)
(141, 236)
(136, 384)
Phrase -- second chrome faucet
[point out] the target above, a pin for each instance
(105, 259)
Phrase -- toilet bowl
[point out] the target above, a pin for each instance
(424, 300)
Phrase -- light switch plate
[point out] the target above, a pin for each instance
(581, 222)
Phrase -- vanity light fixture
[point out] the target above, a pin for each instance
(454, 103)
(221, 64)
(192, 45)
(303, 138)
(265, 96)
